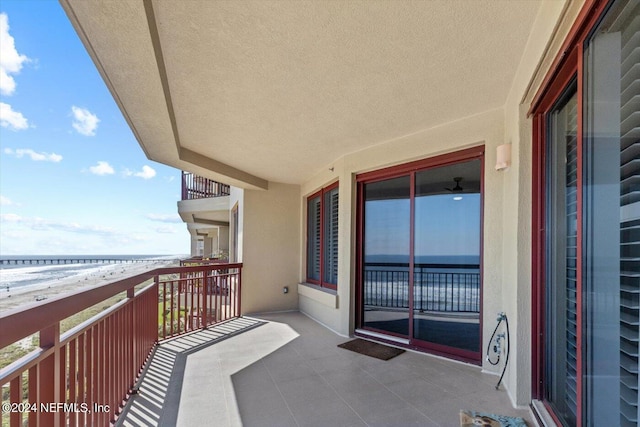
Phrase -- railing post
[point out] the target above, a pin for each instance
(184, 186)
(129, 360)
(205, 309)
(239, 293)
(49, 377)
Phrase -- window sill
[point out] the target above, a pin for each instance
(324, 296)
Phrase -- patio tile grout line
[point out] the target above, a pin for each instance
(280, 391)
(224, 392)
(402, 398)
(335, 391)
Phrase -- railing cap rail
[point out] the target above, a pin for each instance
(24, 321)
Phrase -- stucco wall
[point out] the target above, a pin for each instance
(269, 235)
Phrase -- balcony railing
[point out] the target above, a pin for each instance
(84, 376)
(198, 187)
(437, 287)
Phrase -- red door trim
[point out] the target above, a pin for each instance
(567, 65)
(409, 169)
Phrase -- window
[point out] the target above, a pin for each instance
(587, 222)
(322, 237)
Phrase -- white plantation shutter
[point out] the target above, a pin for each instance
(331, 237)
(313, 238)
(571, 303)
(322, 237)
(630, 215)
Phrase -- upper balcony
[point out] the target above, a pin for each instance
(204, 204)
(198, 187)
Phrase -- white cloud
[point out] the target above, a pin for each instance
(165, 229)
(5, 201)
(102, 168)
(33, 155)
(147, 172)
(10, 119)
(84, 121)
(44, 225)
(10, 60)
(10, 218)
(173, 218)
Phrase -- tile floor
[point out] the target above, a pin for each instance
(286, 370)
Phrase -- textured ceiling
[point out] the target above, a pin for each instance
(275, 90)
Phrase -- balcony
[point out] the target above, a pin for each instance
(176, 352)
(205, 209)
(286, 370)
(83, 376)
(198, 187)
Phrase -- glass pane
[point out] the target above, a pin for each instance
(446, 308)
(612, 218)
(386, 255)
(330, 259)
(313, 238)
(561, 333)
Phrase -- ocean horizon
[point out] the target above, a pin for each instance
(424, 259)
(53, 268)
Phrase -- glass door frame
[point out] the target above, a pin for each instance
(474, 153)
(566, 68)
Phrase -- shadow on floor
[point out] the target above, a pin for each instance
(164, 373)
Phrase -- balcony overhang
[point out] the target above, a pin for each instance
(204, 216)
(212, 208)
(248, 92)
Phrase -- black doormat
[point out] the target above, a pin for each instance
(368, 348)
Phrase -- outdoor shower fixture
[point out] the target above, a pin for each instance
(503, 157)
(497, 340)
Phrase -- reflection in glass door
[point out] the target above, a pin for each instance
(387, 207)
(421, 245)
(446, 303)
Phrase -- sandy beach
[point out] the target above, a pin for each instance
(28, 295)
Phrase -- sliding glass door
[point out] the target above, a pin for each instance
(561, 270)
(446, 256)
(420, 252)
(387, 231)
(587, 222)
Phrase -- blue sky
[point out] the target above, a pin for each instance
(73, 179)
(444, 226)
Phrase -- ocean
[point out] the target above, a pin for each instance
(446, 283)
(51, 268)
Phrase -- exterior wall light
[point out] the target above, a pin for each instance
(503, 157)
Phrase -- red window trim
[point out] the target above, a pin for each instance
(476, 152)
(320, 193)
(567, 65)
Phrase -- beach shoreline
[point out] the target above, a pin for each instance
(23, 296)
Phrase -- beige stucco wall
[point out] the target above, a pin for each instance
(269, 233)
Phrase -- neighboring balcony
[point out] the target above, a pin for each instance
(198, 187)
(205, 209)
